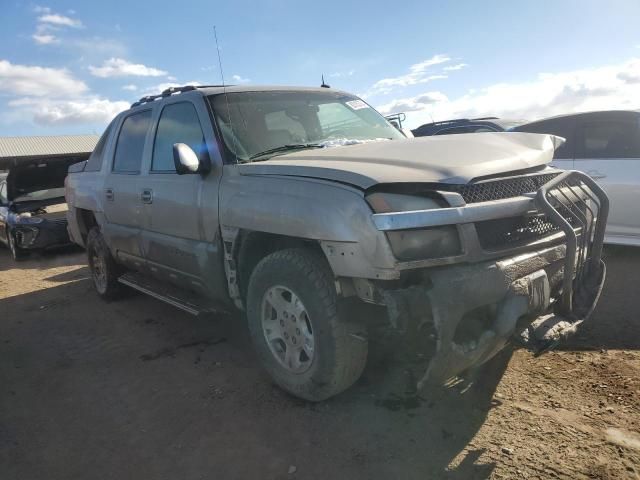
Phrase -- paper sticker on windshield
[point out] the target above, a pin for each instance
(357, 104)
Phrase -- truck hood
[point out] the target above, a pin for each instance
(454, 159)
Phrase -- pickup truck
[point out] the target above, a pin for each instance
(296, 205)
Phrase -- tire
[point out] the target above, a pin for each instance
(338, 352)
(104, 270)
(16, 252)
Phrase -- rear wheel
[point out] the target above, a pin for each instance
(104, 270)
(292, 310)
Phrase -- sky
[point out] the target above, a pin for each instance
(68, 67)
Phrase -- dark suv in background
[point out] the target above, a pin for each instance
(465, 125)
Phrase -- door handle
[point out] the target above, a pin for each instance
(108, 193)
(146, 196)
(595, 174)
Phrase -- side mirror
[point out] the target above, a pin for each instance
(186, 160)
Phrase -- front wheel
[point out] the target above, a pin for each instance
(104, 269)
(292, 310)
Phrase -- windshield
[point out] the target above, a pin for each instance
(40, 195)
(264, 121)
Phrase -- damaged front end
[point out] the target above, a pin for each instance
(459, 315)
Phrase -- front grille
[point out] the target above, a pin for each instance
(500, 189)
(515, 231)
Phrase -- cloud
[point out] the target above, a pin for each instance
(342, 74)
(414, 104)
(118, 67)
(607, 87)
(425, 64)
(418, 74)
(161, 87)
(239, 79)
(44, 39)
(131, 87)
(453, 68)
(87, 110)
(60, 20)
(630, 76)
(38, 81)
(50, 23)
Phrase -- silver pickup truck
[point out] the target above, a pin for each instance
(291, 204)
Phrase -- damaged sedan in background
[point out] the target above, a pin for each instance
(32, 175)
(33, 208)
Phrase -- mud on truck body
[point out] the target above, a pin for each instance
(287, 203)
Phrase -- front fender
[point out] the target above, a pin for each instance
(335, 215)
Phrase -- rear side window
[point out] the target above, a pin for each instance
(130, 146)
(178, 123)
(562, 127)
(610, 139)
(94, 163)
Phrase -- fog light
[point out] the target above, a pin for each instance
(26, 236)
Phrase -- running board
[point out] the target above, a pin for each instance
(186, 301)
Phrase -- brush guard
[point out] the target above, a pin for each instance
(579, 207)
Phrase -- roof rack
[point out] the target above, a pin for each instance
(170, 91)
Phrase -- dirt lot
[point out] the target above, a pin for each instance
(138, 390)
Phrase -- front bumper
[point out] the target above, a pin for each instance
(471, 311)
(47, 234)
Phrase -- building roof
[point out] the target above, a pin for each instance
(14, 148)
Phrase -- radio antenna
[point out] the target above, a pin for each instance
(224, 92)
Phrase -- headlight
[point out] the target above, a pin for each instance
(418, 244)
(27, 219)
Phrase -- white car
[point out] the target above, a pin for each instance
(606, 146)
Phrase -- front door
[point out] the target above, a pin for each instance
(121, 190)
(609, 152)
(174, 239)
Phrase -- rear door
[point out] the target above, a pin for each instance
(121, 191)
(608, 150)
(174, 240)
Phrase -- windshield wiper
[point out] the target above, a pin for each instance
(285, 148)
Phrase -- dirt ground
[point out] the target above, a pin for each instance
(135, 389)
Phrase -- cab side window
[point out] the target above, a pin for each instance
(130, 145)
(178, 123)
(94, 163)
